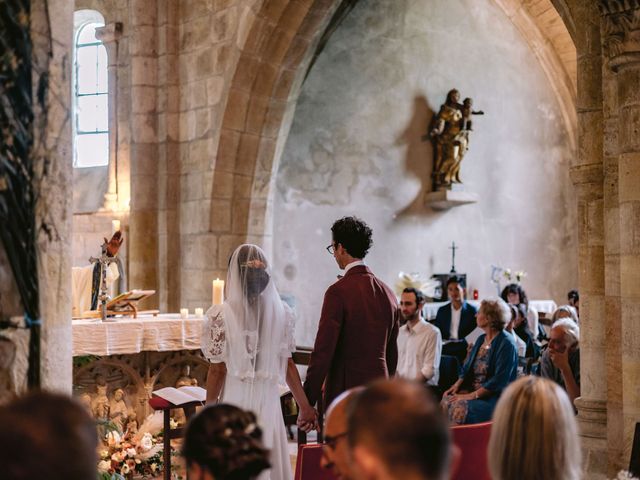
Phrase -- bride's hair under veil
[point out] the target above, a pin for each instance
(257, 326)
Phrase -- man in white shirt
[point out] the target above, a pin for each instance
(419, 342)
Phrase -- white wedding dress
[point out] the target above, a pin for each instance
(255, 339)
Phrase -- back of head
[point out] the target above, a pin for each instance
(45, 435)
(354, 235)
(401, 424)
(227, 442)
(534, 434)
(248, 272)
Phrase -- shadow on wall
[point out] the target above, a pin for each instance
(419, 155)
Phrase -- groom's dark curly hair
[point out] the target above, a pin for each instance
(354, 235)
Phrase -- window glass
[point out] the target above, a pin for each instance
(91, 100)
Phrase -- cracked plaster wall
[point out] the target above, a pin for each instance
(355, 148)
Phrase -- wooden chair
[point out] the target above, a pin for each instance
(165, 406)
(473, 441)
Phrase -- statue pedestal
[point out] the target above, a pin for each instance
(446, 199)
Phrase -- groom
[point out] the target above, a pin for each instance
(356, 339)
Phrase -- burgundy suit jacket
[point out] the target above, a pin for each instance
(356, 339)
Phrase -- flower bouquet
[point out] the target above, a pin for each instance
(429, 287)
(134, 453)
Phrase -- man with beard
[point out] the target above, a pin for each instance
(419, 342)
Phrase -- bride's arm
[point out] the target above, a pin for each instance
(307, 419)
(215, 381)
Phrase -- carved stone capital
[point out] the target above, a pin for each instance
(110, 33)
(621, 32)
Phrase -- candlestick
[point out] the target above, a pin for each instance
(199, 312)
(217, 292)
(184, 313)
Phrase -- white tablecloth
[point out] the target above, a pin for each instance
(547, 306)
(163, 333)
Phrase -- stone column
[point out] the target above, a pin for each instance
(587, 175)
(110, 35)
(143, 219)
(622, 56)
(54, 203)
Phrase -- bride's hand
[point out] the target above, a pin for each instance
(307, 419)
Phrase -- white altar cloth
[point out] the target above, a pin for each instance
(166, 332)
(431, 309)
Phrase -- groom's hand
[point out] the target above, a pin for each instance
(307, 419)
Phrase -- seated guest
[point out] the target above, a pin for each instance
(521, 327)
(223, 441)
(336, 456)
(515, 294)
(565, 311)
(456, 320)
(490, 367)
(521, 346)
(561, 361)
(47, 436)
(396, 431)
(419, 342)
(534, 434)
(573, 298)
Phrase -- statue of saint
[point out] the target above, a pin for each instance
(118, 411)
(100, 403)
(450, 136)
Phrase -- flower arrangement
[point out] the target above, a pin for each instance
(417, 281)
(133, 453)
(498, 273)
(624, 475)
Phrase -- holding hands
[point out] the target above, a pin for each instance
(307, 419)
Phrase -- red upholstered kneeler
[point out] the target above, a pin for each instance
(308, 464)
(473, 442)
(165, 406)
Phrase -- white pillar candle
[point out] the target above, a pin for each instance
(217, 292)
(184, 313)
(115, 226)
(199, 312)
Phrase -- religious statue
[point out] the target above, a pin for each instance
(132, 424)
(85, 400)
(100, 404)
(450, 137)
(185, 379)
(118, 411)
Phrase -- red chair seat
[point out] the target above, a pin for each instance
(473, 442)
(308, 464)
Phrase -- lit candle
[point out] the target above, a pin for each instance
(199, 312)
(184, 313)
(217, 293)
(115, 226)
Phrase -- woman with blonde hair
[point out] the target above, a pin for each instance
(534, 435)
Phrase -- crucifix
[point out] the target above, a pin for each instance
(453, 249)
(104, 260)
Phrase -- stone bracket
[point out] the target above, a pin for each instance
(446, 199)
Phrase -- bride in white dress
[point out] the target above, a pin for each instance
(249, 340)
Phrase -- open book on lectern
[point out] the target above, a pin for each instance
(123, 300)
(182, 395)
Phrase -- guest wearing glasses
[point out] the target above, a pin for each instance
(358, 329)
(335, 453)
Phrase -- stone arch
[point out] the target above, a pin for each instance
(264, 89)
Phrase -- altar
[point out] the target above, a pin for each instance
(136, 356)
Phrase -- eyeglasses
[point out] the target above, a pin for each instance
(331, 249)
(331, 441)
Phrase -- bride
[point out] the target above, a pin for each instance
(248, 341)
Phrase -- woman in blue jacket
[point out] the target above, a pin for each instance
(490, 367)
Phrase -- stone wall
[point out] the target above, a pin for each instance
(355, 147)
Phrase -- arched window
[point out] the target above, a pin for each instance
(91, 99)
